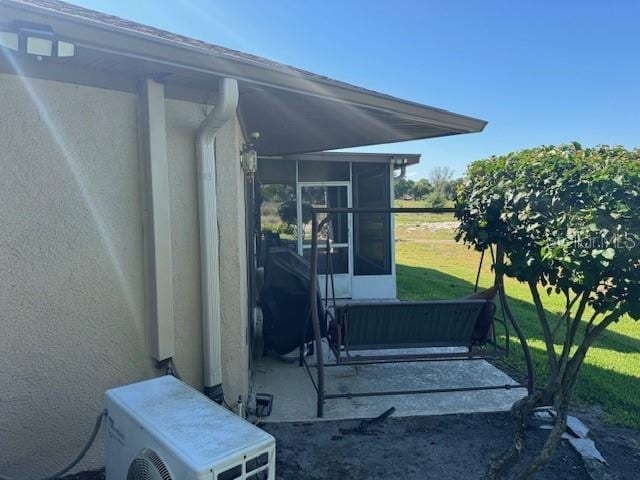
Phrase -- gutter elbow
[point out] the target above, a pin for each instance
(403, 172)
(224, 109)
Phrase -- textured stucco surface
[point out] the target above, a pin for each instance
(183, 119)
(233, 262)
(72, 307)
(72, 296)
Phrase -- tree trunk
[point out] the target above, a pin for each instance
(559, 427)
(519, 414)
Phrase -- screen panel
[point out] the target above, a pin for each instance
(372, 231)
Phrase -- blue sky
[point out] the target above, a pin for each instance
(541, 72)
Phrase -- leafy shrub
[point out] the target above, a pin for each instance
(567, 220)
(568, 217)
(280, 228)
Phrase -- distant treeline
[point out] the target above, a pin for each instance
(437, 191)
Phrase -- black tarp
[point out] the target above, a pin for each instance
(285, 301)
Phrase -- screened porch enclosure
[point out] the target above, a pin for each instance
(357, 248)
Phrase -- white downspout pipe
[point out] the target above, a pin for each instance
(225, 108)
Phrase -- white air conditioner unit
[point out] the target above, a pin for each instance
(162, 429)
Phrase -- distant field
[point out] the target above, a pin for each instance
(416, 219)
(431, 265)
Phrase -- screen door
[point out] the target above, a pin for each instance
(327, 195)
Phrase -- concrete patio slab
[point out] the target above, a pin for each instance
(295, 396)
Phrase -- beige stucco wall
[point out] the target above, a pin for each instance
(72, 316)
(233, 259)
(183, 119)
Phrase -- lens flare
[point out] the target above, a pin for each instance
(73, 165)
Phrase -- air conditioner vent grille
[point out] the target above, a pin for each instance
(257, 462)
(148, 466)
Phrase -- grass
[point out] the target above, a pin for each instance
(431, 265)
(416, 219)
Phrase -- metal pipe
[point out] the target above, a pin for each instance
(403, 171)
(314, 313)
(332, 396)
(385, 210)
(225, 108)
(409, 358)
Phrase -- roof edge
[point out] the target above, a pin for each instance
(282, 76)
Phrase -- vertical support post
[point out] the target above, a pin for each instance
(314, 313)
(252, 263)
(157, 221)
(499, 266)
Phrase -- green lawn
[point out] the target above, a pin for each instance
(415, 219)
(431, 265)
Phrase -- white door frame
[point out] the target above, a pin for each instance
(379, 286)
(342, 281)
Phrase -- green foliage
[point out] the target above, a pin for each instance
(436, 199)
(421, 189)
(439, 188)
(452, 187)
(277, 192)
(404, 187)
(280, 228)
(289, 214)
(567, 218)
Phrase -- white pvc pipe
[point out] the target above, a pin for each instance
(225, 108)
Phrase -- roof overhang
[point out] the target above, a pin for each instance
(294, 111)
(397, 159)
